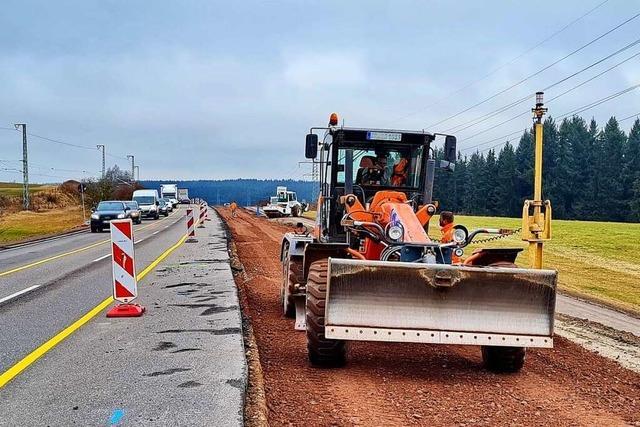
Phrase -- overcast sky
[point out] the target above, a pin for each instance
(213, 89)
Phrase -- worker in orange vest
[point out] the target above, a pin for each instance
(446, 228)
(234, 206)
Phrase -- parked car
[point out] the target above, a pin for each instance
(107, 211)
(134, 211)
(169, 203)
(164, 207)
(148, 202)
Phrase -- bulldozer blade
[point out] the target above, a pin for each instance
(301, 317)
(438, 303)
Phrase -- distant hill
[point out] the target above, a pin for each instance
(243, 191)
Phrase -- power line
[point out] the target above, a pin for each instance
(555, 97)
(511, 61)
(570, 113)
(535, 73)
(481, 118)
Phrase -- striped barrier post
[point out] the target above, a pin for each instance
(191, 230)
(202, 212)
(206, 212)
(125, 284)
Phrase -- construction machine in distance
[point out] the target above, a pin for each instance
(368, 271)
(284, 203)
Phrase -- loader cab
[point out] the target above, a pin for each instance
(364, 162)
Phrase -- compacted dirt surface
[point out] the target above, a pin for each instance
(411, 384)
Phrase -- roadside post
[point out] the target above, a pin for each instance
(125, 284)
(191, 231)
(202, 213)
(206, 212)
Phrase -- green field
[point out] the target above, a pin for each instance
(595, 260)
(15, 189)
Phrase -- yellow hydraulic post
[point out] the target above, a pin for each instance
(536, 228)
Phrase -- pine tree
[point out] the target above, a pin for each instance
(610, 203)
(506, 182)
(631, 173)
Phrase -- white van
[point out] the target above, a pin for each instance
(149, 202)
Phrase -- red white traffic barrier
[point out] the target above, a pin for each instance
(191, 230)
(125, 284)
(206, 212)
(202, 214)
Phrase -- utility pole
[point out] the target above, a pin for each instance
(536, 228)
(104, 171)
(25, 166)
(130, 156)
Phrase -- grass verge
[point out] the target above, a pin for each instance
(25, 225)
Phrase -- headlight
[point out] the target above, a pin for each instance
(120, 216)
(460, 235)
(395, 232)
(95, 216)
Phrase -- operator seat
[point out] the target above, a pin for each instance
(366, 163)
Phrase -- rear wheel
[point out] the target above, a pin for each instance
(503, 359)
(322, 351)
(295, 211)
(93, 229)
(289, 277)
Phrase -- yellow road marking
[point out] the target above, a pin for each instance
(75, 251)
(23, 364)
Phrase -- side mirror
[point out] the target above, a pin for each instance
(311, 146)
(450, 154)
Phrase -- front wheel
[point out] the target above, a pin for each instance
(295, 212)
(286, 299)
(503, 359)
(322, 351)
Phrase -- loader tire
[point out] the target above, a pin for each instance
(291, 273)
(295, 212)
(322, 352)
(503, 359)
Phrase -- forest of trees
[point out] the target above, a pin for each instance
(588, 173)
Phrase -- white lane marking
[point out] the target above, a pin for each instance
(155, 232)
(141, 240)
(166, 227)
(17, 294)
(101, 258)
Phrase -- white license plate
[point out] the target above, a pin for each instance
(384, 136)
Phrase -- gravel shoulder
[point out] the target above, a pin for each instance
(400, 384)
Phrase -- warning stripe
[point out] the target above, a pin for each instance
(124, 228)
(121, 258)
(122, 292)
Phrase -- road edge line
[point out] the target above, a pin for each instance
(29, 359)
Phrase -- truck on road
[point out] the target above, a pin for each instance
(170, 191)
(183, 195)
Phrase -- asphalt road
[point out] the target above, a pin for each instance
(181, 363)
(72, 275)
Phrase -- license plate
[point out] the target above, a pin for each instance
(384, 136)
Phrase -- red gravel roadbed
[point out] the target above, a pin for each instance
(416, 384)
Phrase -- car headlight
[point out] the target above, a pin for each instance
(95, 216)
(120, 216)
(395, 232)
